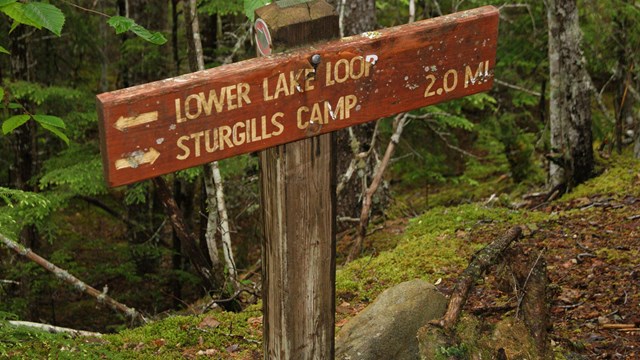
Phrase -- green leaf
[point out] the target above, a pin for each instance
(250, 7)
(14, 106)
(6, 2)
(46, 15)
(49, 120)
(13, 122)
(4, 51)
(122, 24)
(1, 94)
(152, 37)
(56, 132)
(17, 13)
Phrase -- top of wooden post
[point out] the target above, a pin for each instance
(299, 24)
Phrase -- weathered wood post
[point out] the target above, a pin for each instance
(298, 202)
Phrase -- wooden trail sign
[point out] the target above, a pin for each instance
(173, 124)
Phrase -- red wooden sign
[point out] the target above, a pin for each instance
(173, 124)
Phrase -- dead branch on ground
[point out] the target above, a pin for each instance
(54, 329)
(478, 266)
(79, 285)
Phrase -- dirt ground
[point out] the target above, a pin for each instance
(592, 250)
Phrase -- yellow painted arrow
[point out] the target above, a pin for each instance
(124, 123)
(137, 158)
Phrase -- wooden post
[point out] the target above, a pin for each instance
(298, 202)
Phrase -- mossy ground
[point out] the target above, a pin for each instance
(214, 334)
(434, 245)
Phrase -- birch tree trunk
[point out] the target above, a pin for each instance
(215, 194)
(569, 102)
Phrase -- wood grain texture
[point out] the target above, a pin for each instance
(298, 200)
(405, 64)
(298, 205)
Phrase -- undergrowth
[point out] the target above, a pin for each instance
(434, 245)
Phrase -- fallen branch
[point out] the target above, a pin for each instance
(479, 264)
(399, 124)
(79, 285)
(54, 329)
(10, 282)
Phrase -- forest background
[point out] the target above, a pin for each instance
(55, 201)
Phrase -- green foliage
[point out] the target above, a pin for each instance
(457, 352)
(14, 122)
(20, 208)
(56, 131)
(48, 122)
(123, 24)
(75, 171)
(37, 14)
(518, 145)
(27, 96)
(45, 15)
(38, 95)
(137, 193)
(250, 7)
(221, 7)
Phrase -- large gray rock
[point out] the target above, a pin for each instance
(386, 329)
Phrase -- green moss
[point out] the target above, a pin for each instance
(430, 248)
(620, 178)
(175, 337)
(617, 255)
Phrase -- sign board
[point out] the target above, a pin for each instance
(173, 124)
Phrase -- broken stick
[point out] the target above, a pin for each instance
(479, 264)
(78, 284)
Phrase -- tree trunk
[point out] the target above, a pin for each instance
(355, 16)
(569, 103)
(354, 175)
(624, 101)
(196, 62)
(213, 277)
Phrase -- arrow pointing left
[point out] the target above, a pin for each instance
(124, 123)
(137, 158)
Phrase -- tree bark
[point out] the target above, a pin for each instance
(569, 103)
(624, 102)
(196, 62)
(214, 278)
(355, 16)
(354, 173)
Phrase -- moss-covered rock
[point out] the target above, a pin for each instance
(386, 329)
